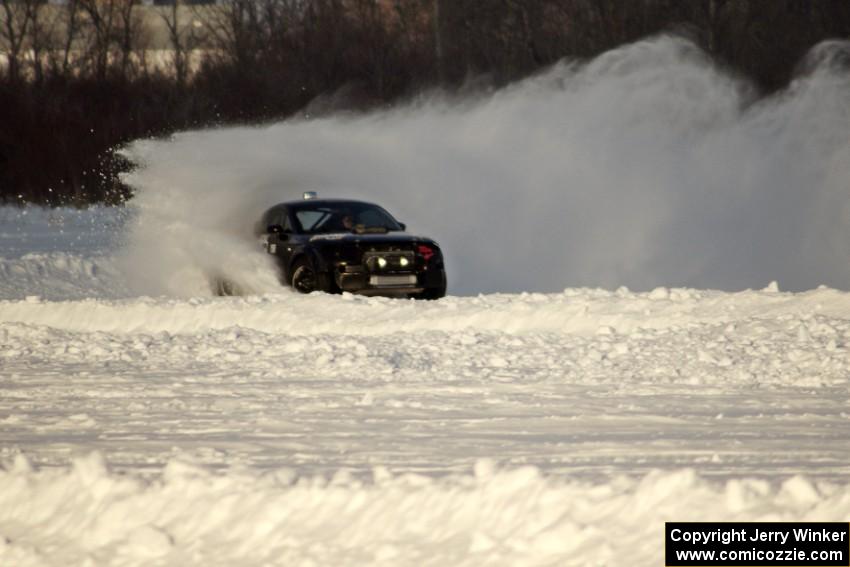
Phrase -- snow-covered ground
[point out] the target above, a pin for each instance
(502, 429)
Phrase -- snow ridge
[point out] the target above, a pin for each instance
(575, 311)
(86, 514)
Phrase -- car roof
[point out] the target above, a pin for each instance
(320, 202)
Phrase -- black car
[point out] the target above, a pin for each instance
(336, 245)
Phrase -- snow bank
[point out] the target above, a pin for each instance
(39, 230)
(574, 311)
(60, 275)
(83, 514)
(61, 253)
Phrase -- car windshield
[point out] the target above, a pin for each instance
(323, 218)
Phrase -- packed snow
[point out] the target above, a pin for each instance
(144, 421)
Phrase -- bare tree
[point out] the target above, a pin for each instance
(373, 28)
(71, 26)
(237, 32)
(127, 31)
(42, 41)
(439, 53)
(100, 18)
(17, 18)
(178, 39)
(113, 33)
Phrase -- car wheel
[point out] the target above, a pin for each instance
(306, 280)
(432, 293)
(303, 277)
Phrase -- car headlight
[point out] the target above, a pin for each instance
(382, 262)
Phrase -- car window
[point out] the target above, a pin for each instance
(275, 216)
(311, 220)
(343, 216)
(283, 220)
(372, 217)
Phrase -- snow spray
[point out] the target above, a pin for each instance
(646, 166)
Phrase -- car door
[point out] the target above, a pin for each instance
(279, 243)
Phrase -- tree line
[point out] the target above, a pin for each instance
(81, 78)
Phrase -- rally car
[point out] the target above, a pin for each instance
(336, 245)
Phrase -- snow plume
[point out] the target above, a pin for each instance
(646, 166)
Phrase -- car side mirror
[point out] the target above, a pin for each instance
(274, 229)
(403, 226)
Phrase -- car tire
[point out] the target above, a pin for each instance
(305, 279)
(432, 293)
